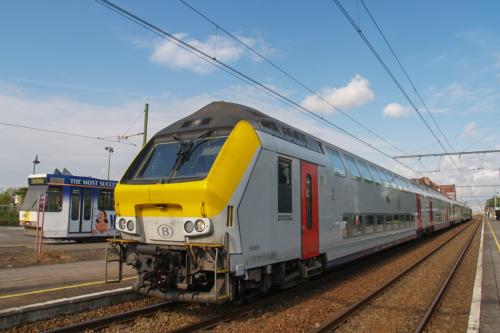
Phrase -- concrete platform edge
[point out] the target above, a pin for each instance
(29, 313)
(475, 307)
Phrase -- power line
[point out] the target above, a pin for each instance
(287, 74)
(451, 154)
(394, 79)
(236, 73)
(406, 74)
(66, 133)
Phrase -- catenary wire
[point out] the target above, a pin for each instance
(238, 74)
(395, 81)
(288, 74)
(66, 133)
(406, 75)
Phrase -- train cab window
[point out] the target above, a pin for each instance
(365, 172)
(353, 168)
(284, 186)
(375, 174)
(75, 204)
(106, 200)
(380, 223)
(370, 224)
(338, 164)
(196, 159)
(54, 199)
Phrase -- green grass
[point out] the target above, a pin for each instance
(10, 218)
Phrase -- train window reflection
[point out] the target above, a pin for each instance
(353, 168)
(284, 186)
(375, 174)
(190, 159)
(338, 164)
(365, 172)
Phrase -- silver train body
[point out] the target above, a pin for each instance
(297, 206)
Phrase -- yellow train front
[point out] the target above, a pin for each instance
(177, 200)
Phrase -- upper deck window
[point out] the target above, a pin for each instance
(353, 168)
(177, 161)
(338, 164)
(365, 172)
(375, 174)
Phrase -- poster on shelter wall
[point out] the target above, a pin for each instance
(104, 223)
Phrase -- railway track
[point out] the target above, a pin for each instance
(121, 317)
(336, 320)
(241, 311)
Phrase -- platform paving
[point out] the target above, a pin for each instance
(48, 282)
(490, 302)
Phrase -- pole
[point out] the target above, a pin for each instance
(145, 135)
(37, 219)
(109, 162)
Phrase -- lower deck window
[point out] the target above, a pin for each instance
(363, 224)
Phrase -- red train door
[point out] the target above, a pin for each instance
(309, 209)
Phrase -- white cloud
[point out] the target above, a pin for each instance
(396, 110)
(169, 54)
(356, 93)
(470, 130)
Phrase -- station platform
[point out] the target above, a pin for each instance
(35, 284)
(490, 281)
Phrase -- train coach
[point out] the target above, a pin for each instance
(229, 201)
(68, 207)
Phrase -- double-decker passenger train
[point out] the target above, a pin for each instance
(229, 201)
(69, 207)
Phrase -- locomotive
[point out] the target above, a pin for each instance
(228, 202)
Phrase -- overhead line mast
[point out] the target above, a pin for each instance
(237, 74)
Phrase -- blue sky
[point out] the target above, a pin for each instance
(76, 66)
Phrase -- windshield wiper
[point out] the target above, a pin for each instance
(185, 150)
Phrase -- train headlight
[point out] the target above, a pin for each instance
(130, 225)
(122, 223)
(189, 226)
(200, 225)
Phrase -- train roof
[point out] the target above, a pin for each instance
(218, 114)
(225, 115)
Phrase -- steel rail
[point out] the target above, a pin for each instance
(113, 319)
(334, 321)
(439, 295)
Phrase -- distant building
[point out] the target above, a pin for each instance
(448, 190)
(17, 199)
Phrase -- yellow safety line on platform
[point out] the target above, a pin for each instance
(61, 288)
(494, 236)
